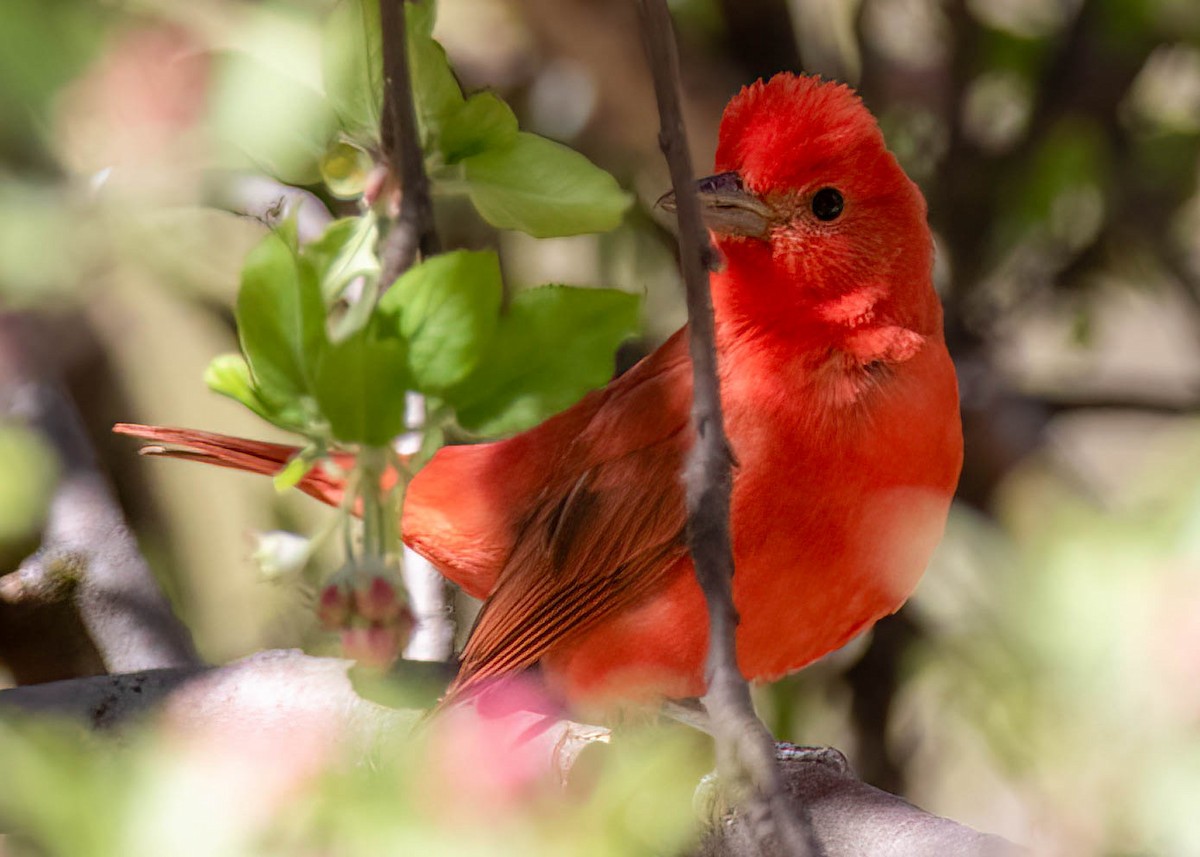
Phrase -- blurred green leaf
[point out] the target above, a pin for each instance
(344, 251)
(360, 385)
(269, 120)
(34, 215)
(435, 89)
(446, 310)
(229, 375)
(70, 794)
(553, 345)
(543, 188)
(280, 319)
(30, 469)
(1061, 190)
(62, 788)
(43, 46)
(296, 469)
(483, 122)
(352, 67)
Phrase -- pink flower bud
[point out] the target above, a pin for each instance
(377, 601)
(373, 646)
(334, 606)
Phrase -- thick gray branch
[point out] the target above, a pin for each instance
(276, 698)
(87, 553)
(849, 818)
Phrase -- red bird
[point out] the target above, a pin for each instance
(841, 407)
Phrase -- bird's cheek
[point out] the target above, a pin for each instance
(789, 245)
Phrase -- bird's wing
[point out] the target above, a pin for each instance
(604, 525)
(594, 546)
(467, 509)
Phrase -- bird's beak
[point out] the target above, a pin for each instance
(727, 207)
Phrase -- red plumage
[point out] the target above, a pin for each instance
(841, 407)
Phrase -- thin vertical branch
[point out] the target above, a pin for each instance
(412, 232)
(745, 749)
(414, 229)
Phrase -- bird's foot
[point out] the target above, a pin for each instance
(748, 779)
(790, 754)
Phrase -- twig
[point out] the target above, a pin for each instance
(414, 229)
(745, 749)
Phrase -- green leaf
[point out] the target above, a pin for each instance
(446, 309)
(435, 89)
(296, 469)
(554, 344)
(483, 122)
(31, 470)
(352, 67)
(43, 47)
(229, 375)
(280, 319)
(344, 251)
(360, 385)
(269, 120)
(543, 188)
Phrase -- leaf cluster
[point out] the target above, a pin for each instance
(472, 144)
(329, 351)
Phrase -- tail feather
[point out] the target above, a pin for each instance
(252, 456)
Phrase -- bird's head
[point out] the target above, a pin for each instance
(808, 206)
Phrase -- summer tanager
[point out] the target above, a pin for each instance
(840, 404)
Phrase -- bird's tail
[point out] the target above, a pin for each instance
(253, 456)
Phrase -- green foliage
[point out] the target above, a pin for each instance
(446, 309)
(360, 386)
(345, 253)
(229, 375)
(69, 794)
(516, 180)
(42, 47)
(435, 89)
(30, 470)
(484, 122)
(326, 356)
(439, 330)
(270, 119)
(543, 188)
(279, 317)
(515, 385)
(352, 67)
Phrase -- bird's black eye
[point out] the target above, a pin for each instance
(827, 203)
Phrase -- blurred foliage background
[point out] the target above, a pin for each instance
(1044, 683)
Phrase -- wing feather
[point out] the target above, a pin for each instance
(603, 541)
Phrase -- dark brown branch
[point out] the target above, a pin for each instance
(414, 229)
(745, 750)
